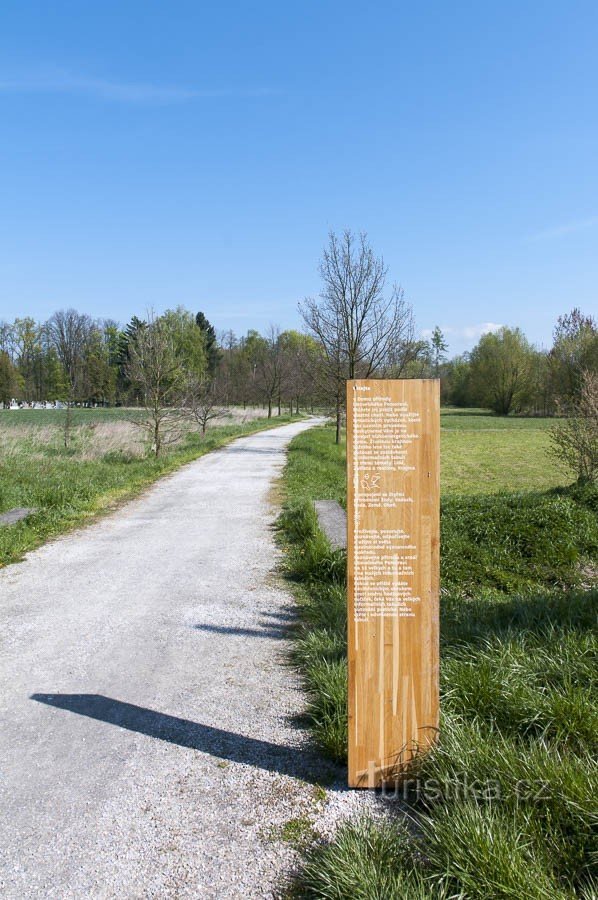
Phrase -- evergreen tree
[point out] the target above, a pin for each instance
(213, 353)
(439, 348)
(125, 340)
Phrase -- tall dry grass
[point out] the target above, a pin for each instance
(94, 440)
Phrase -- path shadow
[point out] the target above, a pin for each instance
(277, 633)
(288, 616)
(474, 622)
(278, 628)
(298, 762)
(265, 451)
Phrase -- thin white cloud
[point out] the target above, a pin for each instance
(465, 332)
(560, 230)
(60, 82)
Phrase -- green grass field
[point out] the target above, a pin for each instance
(10, 418)
(481, 453)
(505, 806)
(106, 462)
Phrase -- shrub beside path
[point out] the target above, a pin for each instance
(147, 745)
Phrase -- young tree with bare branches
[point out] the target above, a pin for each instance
(70, 334)
(365, 329)
(155, 368)
(204, 401)
(270, 367)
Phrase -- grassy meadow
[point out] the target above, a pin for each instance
(482, 454)
(106, 462)
(505, 806)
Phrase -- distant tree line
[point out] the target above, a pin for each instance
(360, 326)
(507, 374)
(83, 361)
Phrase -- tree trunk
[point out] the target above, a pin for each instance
(269, 407)
(279, 410)
(338, 419)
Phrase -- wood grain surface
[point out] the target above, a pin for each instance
(393, 491)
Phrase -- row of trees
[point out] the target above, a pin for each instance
(86, 361)
(81, 360)
(172, 384)
(72, 357)
(505, 373)
(360, 326)
(364, 330)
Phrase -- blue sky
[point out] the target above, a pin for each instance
(163, 153)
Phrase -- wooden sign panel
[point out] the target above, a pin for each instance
(393, 491)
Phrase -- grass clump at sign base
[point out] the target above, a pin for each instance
(361, 864)
(505, 803)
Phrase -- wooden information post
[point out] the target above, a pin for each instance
(393, 460)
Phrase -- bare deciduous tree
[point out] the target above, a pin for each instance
(364, 329)
(69, 333)
(301, 355)
(155, 369)
(270, 363)
(203, 402)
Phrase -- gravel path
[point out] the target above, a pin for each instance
(147, 747)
